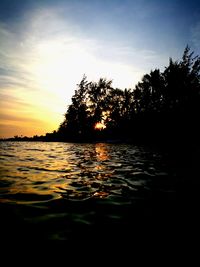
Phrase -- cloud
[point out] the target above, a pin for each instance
(45, 55)
(195, 31)
(14, 61)
(18, 118)
(12, 102)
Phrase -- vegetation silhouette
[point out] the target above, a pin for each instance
(163, 107)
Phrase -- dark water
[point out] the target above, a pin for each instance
(66, 191)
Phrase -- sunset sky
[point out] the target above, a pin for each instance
(47, 46)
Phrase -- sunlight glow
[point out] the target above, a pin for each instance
(54, 62)
(99, 126)
(62, 62)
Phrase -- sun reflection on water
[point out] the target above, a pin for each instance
(37, 172)
(101, 152)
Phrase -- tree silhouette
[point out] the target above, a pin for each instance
(98, 99)
(163, 106)
(88, 108)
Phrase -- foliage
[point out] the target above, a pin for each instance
(161, 105)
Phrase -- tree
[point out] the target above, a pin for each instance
(75, 123)
(168, 103)
(88, 107)
(162, 105)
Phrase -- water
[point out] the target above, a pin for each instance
(68, 191)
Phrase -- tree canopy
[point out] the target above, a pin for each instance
(162, 104)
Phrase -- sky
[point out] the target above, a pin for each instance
(47, 46)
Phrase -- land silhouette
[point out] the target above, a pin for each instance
(164, 107)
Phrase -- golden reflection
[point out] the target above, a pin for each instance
(101, 151)
(100, 194)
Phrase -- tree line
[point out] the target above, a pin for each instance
(163, 106)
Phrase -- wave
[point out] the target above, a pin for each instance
(69, 190)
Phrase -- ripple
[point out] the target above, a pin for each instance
(61, 187)
(35, 149)
(45, 169)
(100, 194)
(7, 155)
(30, 197)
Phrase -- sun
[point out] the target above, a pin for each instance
(99, 126)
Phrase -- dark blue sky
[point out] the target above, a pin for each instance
(149, 24)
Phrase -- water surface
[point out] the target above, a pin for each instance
(64, 191)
